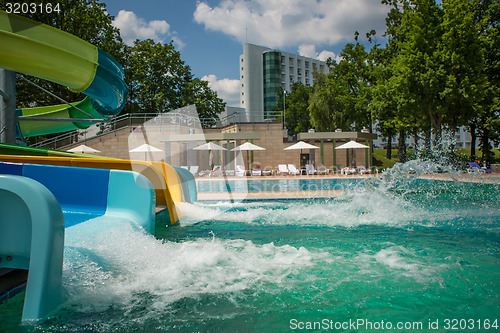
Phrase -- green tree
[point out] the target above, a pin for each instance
(384, 105)
(297, 116)
(326, 107)
(418, 68)
(487, 119)
(341, 99)
(463, 61)
(355, 73)
(159, 81)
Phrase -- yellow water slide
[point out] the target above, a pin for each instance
(164, 178)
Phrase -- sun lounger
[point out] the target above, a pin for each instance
(282, 169)
(216, 172)
(257, 172)
(474, 166)
(194, 169)
(322, 170)
(348, 171)
(293, 169)
(240, 171)
(362, 170)
(267, 172)
(311, 170)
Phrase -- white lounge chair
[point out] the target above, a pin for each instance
(267, 172)
(348, 171)
(217, 171)
(322, 170)
(240, 171)
(293, 169)
(283, 169)
(362, 170)
(311, 170)
(194, 169)
(256, 172)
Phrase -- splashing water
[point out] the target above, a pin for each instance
(406, 247)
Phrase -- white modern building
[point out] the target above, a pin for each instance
(265, 73)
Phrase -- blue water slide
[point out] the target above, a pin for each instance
(188, 185)
(108, 90)
(32, 238)
(37, 203)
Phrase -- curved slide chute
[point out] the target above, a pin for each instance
(35, 128)
(39, 50)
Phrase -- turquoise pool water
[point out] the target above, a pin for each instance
(415, 255)
(278, 185)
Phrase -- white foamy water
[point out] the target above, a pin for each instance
(127, 269)
(353, 209)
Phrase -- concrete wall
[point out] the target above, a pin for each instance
(119, 143)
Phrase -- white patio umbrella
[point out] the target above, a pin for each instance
(352, 145)
(209, 146)
(248, 146)
(84, 150)
(145, 148)
(301, 145)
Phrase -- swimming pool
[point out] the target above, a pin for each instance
(416, 254)
(278, 185)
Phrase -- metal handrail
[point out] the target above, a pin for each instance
(112, 124)
(128, 120)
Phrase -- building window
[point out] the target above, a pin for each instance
(272, 77)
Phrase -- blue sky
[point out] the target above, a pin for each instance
(210, 33)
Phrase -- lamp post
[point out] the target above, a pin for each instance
(284, 116)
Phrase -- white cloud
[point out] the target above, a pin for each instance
(309, 50)
(133, 27)
(227, 89)
(278, 23)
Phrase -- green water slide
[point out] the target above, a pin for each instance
(29, 127)
(32, 48)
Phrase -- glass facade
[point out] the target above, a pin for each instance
(272, 80)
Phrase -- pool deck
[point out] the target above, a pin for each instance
(290, 195)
